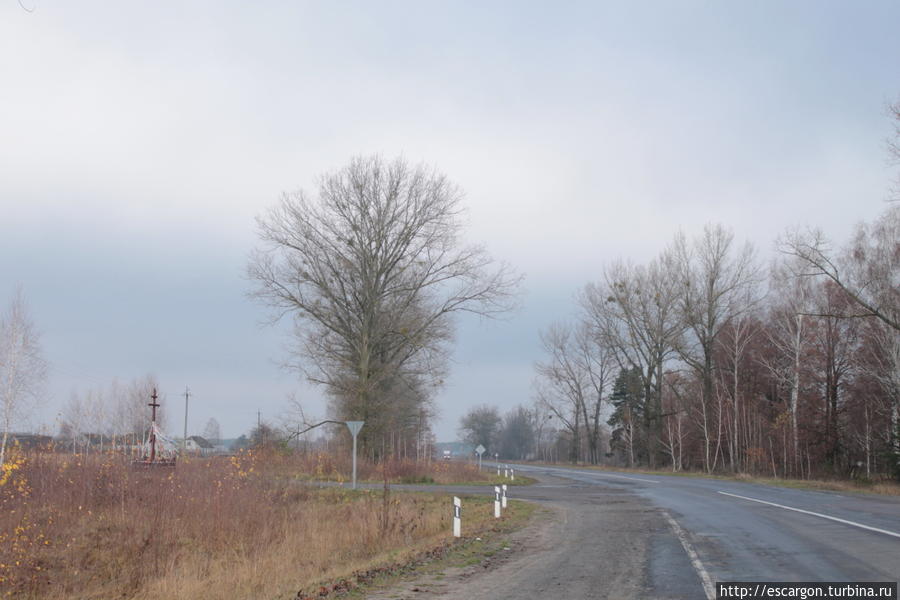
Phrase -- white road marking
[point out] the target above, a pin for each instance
(815, 514)
(708, 586)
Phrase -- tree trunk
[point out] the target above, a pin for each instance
(795, 392)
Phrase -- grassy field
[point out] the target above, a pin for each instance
(231, 527)
(328, 467)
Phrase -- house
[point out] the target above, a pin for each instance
(198, 445)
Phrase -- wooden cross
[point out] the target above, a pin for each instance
(154, 404)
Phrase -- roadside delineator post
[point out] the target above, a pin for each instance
(512, 474)
(503, 498)
(496, 502)
(498, 469)
(457, 517)
(506, 471)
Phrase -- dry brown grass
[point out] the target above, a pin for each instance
(884, 487)
(91, 527)
(328, 467)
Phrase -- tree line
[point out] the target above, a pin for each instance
(703, 359)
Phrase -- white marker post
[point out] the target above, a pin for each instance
(354, 427)
(496, 502)
(457, 517)
(506, 471)
(498, 469)
(512, 474)
(503, 498)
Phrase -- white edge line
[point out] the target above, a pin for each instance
(815, 514)
(705, 579)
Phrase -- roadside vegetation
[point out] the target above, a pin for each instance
(324, 466)
(90, 526)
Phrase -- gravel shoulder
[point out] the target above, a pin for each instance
(585, 541)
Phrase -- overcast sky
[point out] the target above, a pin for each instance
(138, 141)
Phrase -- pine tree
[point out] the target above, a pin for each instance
(627, 400)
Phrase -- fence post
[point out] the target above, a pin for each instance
(457, 517)
(496, 502)
(503, 501)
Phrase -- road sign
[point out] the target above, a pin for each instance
(354, 427)
(480, 449)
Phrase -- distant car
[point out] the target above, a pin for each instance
(447, 455)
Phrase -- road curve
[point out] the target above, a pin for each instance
(750, 531)
(623, 535)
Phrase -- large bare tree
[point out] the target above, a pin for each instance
(574, 380)
(371, 268)
(715, 283)
(635, 314)
(22, 365)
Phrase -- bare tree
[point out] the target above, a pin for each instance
(213, 432)
(574, 381)
(634, 311)
(517, 434)
(734, 342)
(23, 369)
(885, 350)
(371, 268)
(481, 425)
(893, 144)
(868, 270)
(714, 282)
(561, 385)
(788, 333)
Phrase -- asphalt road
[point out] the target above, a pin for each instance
(622, 535)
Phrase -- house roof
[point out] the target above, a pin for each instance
(201, 441)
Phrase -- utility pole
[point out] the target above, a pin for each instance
(187, 394)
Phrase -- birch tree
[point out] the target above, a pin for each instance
(713, 283)
(868, 269)
(788, 333)
(23, 369)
